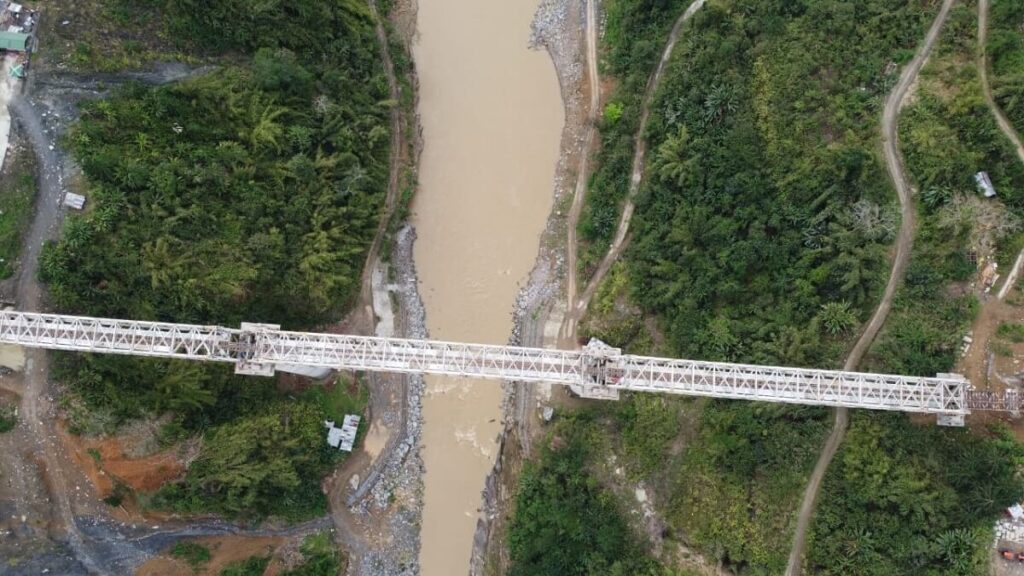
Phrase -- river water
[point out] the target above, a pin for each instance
(492, 117)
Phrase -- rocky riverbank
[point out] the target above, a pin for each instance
(385, 508)
(558, 28)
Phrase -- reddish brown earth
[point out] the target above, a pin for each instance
(140, 474)
(224, 550)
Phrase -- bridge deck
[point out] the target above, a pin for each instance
(258, 348)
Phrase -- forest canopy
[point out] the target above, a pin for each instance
(764, 224)
(1006, 54)
(763, 234)
(249, 192)
(234, 195)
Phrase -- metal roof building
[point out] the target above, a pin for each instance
(15, 41)
(985, 184)
(76, 201)
(343, 438)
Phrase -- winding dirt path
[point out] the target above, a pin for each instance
(1004, 123)
(578, 306)
(1001, 119)
(394, 168)
(904, 243)
(36, 409)
(387, 391)
(568, 328)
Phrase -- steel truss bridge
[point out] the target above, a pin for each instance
(597, 370)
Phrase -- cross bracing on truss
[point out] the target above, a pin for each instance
(260, 348)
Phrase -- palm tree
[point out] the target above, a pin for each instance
(671, 163)
(264, 128)
(161, 262)
(837, 317)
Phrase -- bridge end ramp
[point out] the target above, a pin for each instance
(595, 391)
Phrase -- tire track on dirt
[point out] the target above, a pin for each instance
(1004, 123)
(36, 409)
(568, 328)
(576, 309)
(394, 165)
(904, 243)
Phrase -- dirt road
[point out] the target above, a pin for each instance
(576, 308)
(394, 164)
(904, 243)
(1001, 119)
(386, 391)
(567, 333)
(36, 407)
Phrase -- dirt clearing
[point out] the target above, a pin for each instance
(106, 465)
(224, 550)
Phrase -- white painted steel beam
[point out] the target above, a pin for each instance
(105, 335)
(260, 348)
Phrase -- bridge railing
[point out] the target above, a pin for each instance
(261, 348)
(795, 385)
(112, 336)
(345, 352)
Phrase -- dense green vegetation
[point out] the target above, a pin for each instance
(107, 36)
(948, 134)
(731, 491)
(226, 197)
(16, 201)
(271, 463)
(8, 420)
(17, 198)
(908, 499)
(565, 523)
(192, 552)
(318, 28)
(1006, 55)
(249, 193)
(741, 479)
(762, 235)
(633, 42)
(318, 558)
(902, 498)
(766, 216)
(254, 566)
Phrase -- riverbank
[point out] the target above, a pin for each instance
(559, 29)
(492, 118)
(377, 505)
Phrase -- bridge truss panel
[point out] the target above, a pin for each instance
(106, 335)
(346, 352)
(259, 348)
(940, 395)
(1009, 401)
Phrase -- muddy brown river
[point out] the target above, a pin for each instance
(492, 116)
